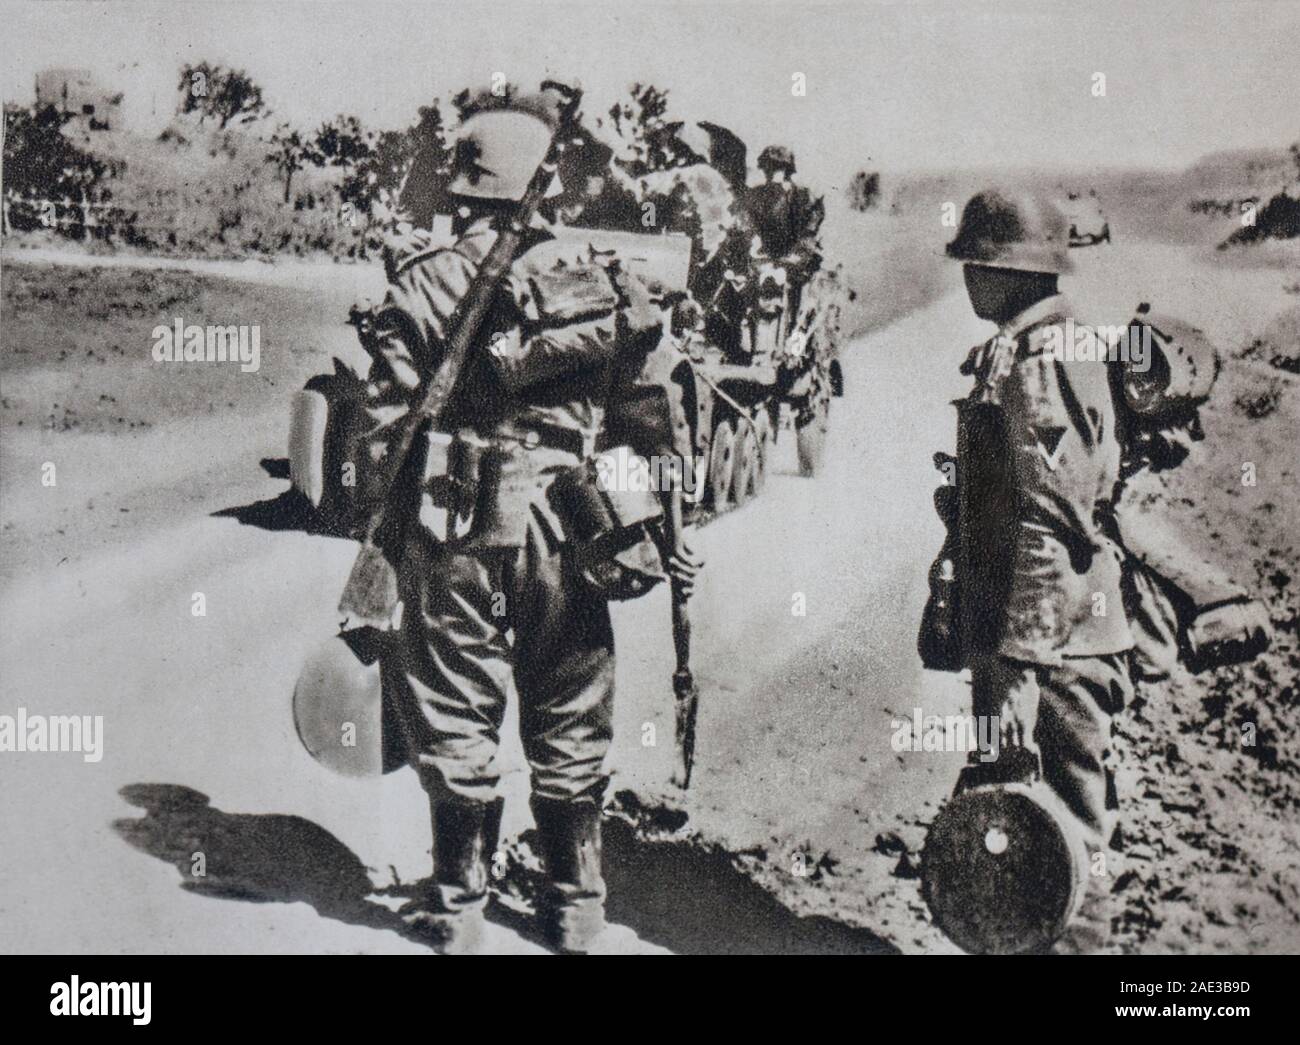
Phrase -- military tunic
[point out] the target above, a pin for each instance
(1042, 605)
(495, 608)
(1044, 521)
(785, 218)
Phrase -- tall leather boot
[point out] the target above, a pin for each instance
(572, 909)
(450, 914)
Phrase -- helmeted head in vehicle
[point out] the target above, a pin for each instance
(776, 158)
(498, 143)
(496, 153)
(502, 140)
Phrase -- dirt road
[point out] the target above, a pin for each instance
(802, 816)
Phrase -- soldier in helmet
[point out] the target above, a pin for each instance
(777, 221)
(783, 215)
(1042, 621)
(489, 603)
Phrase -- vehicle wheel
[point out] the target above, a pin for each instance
(722, 461)
(810, 440)
(308, 422)
(742, 479)
(763, 443)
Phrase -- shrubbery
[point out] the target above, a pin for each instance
(1278, 219)
(48, 181)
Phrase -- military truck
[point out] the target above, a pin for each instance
(1088, 224)
(780, 376)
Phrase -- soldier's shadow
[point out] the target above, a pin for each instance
(690, 897)
(677, 893)
(288, 511)
(258, 858)
(695, 899)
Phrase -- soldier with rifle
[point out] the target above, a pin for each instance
(494, 360)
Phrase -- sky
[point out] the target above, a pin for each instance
(888, 85)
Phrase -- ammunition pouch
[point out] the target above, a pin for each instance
(1232, 632)
(457, 470)
(609, 529)
(1014, 765)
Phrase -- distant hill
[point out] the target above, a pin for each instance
(1241, 171)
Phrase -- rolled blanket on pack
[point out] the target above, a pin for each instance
(1183, 607)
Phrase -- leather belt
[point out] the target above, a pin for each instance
(554, 437)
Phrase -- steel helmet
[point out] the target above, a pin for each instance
(1181, 369)
(1023, 232)
(496, 153)
(338, 707)
(776, 157)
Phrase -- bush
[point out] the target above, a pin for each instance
(46, 175)
(1280, 219)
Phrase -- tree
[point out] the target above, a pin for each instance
(342, 142)
(223, 94)
(640, 124)
(416, 162)
(290, 153)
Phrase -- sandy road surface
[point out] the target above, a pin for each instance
(794, 762)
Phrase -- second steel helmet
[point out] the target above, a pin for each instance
(341, 705)
(1182, 365)
(776, 157)
(1021, 231)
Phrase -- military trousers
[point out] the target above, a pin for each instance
(477, 625)
(1067, 711)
